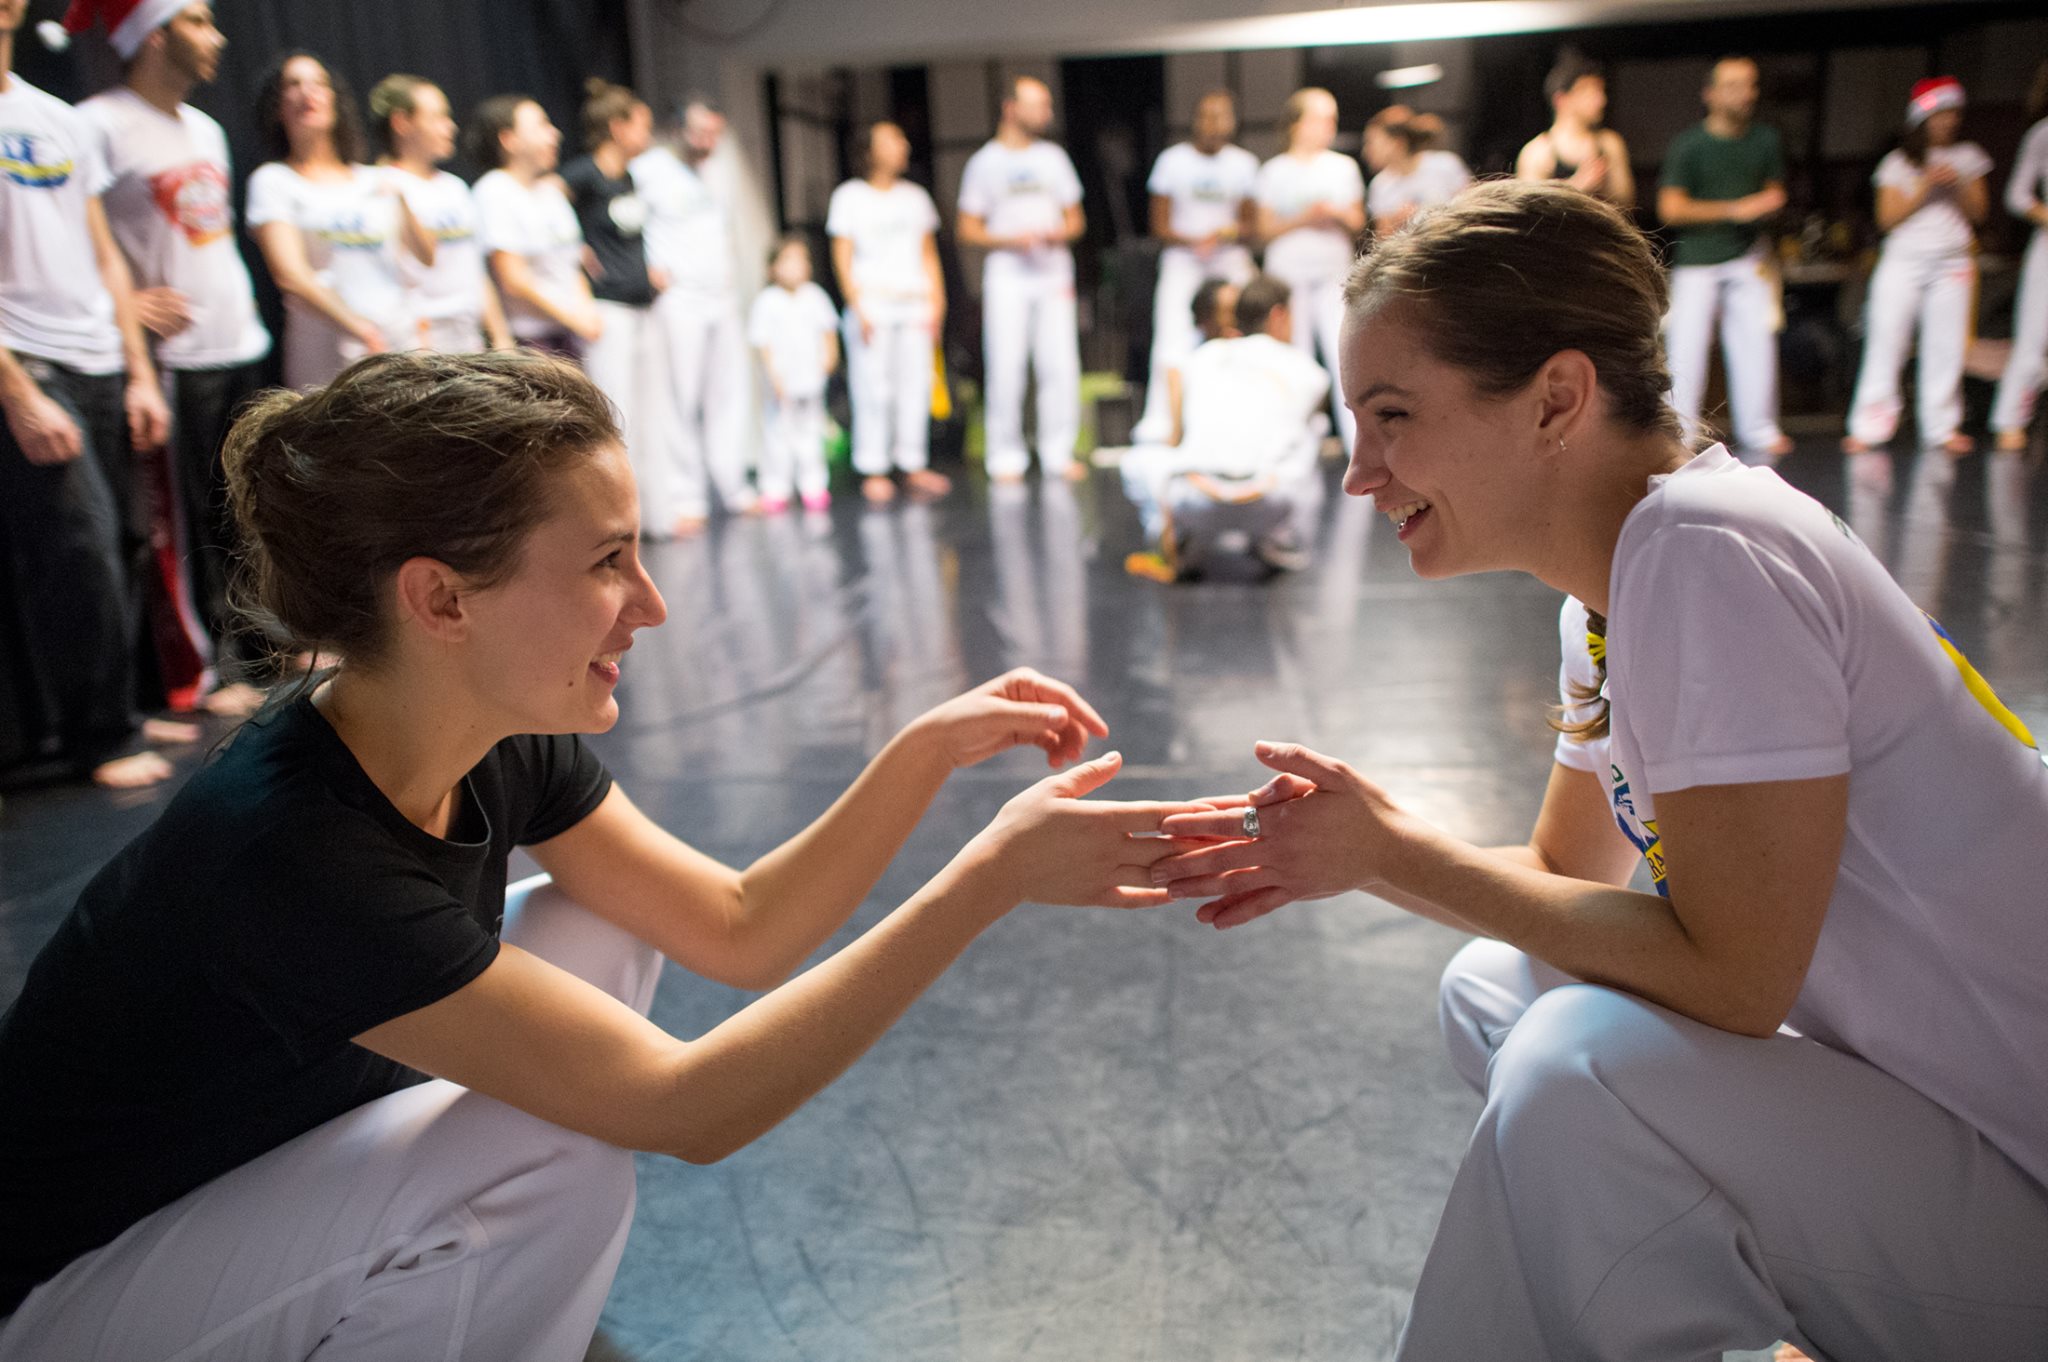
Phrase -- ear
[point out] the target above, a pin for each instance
(1566, 388)
(430, 597)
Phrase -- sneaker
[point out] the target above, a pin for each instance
(817, 501)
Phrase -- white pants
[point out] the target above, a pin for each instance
(629, 364)
(432, 1223)
(890, 381)
(1644, 1188)
(794, 452)
(1317, 306)
(1174, 333)
(1937, 293)
(1741, 294)
(1027, 316)
(2027, 369)
(711, 387)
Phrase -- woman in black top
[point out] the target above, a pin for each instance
(219, 1136)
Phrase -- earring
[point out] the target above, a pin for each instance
(1560, 444)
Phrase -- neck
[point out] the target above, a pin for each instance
(412, 163)
(156, 83)
(611, 160)
(6, 59)
(691, 157)
(414, 750)
(1571, 127)
(1405, 164)
(1011, 135)
(1727, 125)
(1580, 522)
(1302, 151)
(521, 172)
(882, 179)
(315, 153)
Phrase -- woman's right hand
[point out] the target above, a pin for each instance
(372, 339)
(1052, 845)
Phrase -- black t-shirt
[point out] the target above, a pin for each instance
(612, 215)
(195, 1008)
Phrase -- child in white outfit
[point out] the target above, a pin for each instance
(795, 331)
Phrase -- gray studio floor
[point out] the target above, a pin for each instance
(1103, 1136)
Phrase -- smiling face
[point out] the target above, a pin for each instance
(543, 651)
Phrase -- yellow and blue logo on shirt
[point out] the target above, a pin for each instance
(31, 160)
(1974, 682)
(1641, 832)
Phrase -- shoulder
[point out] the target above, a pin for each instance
(1537, 155)
(1240, 159)
(1612, 143)
(1729, 513)
(1970, 159)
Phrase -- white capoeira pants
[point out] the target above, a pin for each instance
(710, 386)
(629, 364)
(1174, 333)
(1937, 293)
(889, 375)
(1643, 1188)
(1027, 317)
(1742, 296)
(793, 452)
(432, 1223)
(1317, 306)
(2027, 368)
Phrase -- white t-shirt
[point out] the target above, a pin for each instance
(1437, 178)
(1751, 637)
(1937, 227)
(1246, 406)
(169, 204)
(351, 233)
(888, 228)
(1018, 190)
(537, 223)
(2029, 183)
(687, 231)
(52, 301)
(1288, 187)
(1204, 193)
(793, 326)
(453, 286)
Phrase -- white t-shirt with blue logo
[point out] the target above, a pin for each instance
(453, 286)
(350, 228)
(1020, 190)
(53, 304)
(1751, 637)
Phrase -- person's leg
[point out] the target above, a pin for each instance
(1484, 991)
(1005, 317)
(778, 453)
(910, 387)
(206, 403)
(1749, 349)
(728, 391)
(870, 385)
(2012, 411)
(1641, 1187)
(807, 448)
(1688, 329)
(1174, 338)
(613, 363)
(1325, 305)
(686, 331)
(1951, 291)
(1056, 365)
(1887, 331)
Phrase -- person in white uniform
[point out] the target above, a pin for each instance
(528, 227)
(1839, 824)
(330, 227)
(1723, 179)
(689, 239)
(454, 305)
(1203, 217)
(1410, 172)
(885, 254)
(358, 1100)
(1931, 191)
(170, 203)
(1020, 201)
(795, 334)
(1311, 211)
(2026, 369)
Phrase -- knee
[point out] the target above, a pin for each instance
(1579, 1056)
(1482, 994)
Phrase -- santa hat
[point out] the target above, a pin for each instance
(127, 22)
(1930, 97)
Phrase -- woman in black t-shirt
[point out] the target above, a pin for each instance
(221, 1132)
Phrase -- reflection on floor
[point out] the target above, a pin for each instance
(1103, 1136)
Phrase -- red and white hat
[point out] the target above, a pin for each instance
(127, 22)
(1931, 96)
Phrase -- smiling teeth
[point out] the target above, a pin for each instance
(611, 658)
(1401, 514)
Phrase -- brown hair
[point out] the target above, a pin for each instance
(1418, 132)
(405, 455)
(348, 120)
(1258, 300)
(392, 95)
(1296, 107)
(489, 124)
(603, 105)
(1508, 274)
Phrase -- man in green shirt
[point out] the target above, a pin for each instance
(1722, 178)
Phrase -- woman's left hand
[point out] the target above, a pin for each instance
(1017, 708)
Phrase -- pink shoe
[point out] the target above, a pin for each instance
(772, 505)
(817, 501)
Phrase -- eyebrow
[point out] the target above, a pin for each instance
(1379, 389)
(622, 537)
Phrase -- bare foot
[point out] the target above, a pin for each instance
(169, 733)
(2011, 441)
(928, 485)
(1077, 471)
(1779, 448)
(1959, 446)
(1006, 479)
(1852, 445)
(878, 490)
(687, 527)
(132, 773)
(235, 701)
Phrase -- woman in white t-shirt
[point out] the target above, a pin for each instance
(1838, 825)
(1311, 210)
(1931, 192)
(452, 302)
(529, 228)
(885, 254)
(2026, 196)
(331, 228)
(1409, 173)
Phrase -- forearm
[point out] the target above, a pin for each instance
(16, 386)
(516, 280)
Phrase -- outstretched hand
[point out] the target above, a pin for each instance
(1019, 708)
(1323, 830)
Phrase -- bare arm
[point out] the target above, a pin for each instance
(1621, 177)
(842, 270)
(574, 314)
(1974, 197)
(1074, 224)
(284, 254)
(149, 420)
(1537, 161)
(1894, 206)
(39, 424)
(1162, 222)
(935, 280)
(497, 331)
(1677, 208)
(417, 240)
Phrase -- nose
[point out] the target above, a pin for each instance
(646, 609)
(1365, 473)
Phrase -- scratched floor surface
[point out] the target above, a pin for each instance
(1116, 1137)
